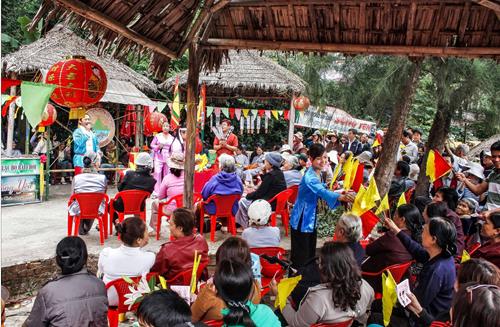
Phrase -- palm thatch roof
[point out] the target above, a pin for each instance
(246, 74)
(58, 44)
(483, 146)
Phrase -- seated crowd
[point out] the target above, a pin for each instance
(433, 234)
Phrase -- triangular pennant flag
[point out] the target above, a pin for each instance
(358, 178)
(389, 296)
(402, 199)
(217, 111)
(280, 113)
(378, 140)
(237, 113)
(210, 110)
(371, 195)
(275, 114)
(35, 98)
(356, 206)
(245, 112)
(368, 221)
(161, 105)
(262, 112)
(436, 165)
(268, 114)
(465, 256)
(225, 112)
(175, 114)
(255, 112)
(286, 114)
(384, 205)
(285, 288)
(231, 113)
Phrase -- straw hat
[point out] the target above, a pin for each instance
(176, 160)
(299, 135)
(144, 159)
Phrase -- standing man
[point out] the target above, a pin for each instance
(84, 142)
(227, 142)
(408, 148)
(352, 143)
(365, 145)
(417, 139)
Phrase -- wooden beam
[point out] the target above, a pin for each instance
(437, 24)
(196, 27)
(314, 26)
(219, 44)
(229, 19)
(270, 20)
(336, 20)
(463, 23)
(192, 90)
(293, 21)
(386, 17)
(241, 3)
(411, 23)
(96, 16)
(493, 5)
(249, 21)
(218, 6)
(362, 23)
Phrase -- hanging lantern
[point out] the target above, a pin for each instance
(80, 83)
(301, 103)
(154, 121)
(49, 116)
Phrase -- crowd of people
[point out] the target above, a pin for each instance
(461, 212)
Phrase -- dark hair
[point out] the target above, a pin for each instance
(417, 131)
(421, 202)
(163, 308)
(446, 154)
(437, 209)
(176, 172)
(339, 268)
(226, 121)
(403, 167)
(71, 254)
(87, 162)
(413, 220)
(185, 219)
(233, 248)
(234, 283)
(476, 305)
(495, 146)
(446, 234)
(131, 229)
(407, 134)
(406, 159)
(495, 220)
(353, 130)
(450, 196)
(316, 150)
(478, 270)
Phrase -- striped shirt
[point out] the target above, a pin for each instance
(493, 198)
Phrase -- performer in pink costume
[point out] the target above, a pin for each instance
(161, 152)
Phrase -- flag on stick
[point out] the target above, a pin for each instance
(389, 296)
(378, 140)
(436, 166)
(384, 205)
(35, 98)
(402, 199)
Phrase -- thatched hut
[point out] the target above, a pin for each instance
(246, 74)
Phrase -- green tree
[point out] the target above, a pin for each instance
(15, 15)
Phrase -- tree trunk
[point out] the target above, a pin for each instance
(440, 127)
(387, 160)
(192, 88)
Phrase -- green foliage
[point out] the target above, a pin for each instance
(15, 15)
(327, 220)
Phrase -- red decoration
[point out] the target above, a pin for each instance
(301, 103)
(80, 82)
(154, 121)
(49, 116)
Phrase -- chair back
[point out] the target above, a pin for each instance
(269, 269)
(282, 199)
(293, 196)
(132, 200)
(184, 277)
(178, 199)
(214, 323)
(89, 203)
(223, 204)
(122, 289)
(337, 324)
(201, 178)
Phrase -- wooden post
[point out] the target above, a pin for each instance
(47, 164)
(139, 135)
(27, 136)
(10, 120)
(192, 89)
(387, 161)
(291, 122)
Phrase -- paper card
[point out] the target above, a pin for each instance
(402, 290)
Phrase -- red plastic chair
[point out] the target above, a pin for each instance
(89, 209)
(179, 203)
(223, 209)
(184, 277)
(214, 323)
(337, 324)
(132, 202)
(397, 272)
(121, 287)
(281, 199)
(293, 196)
(268, 270)
(201, 178)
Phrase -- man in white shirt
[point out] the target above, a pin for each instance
(408, 148)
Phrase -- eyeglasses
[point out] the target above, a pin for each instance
(471, 288)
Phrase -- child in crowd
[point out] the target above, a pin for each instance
(260, 234)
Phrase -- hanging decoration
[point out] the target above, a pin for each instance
(128, 127)
(237, 113)
(49, 116)
(245, 112)
(103, 125)
(266, 124)
(79, 83)
(242, 124)
(258, 118)
(225, 112)
(201, 104)
(231, 113)
(217, 112)
(175, 113)
(36, 96)
(301, 103)
(154, 121)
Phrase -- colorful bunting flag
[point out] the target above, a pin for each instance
(436, 166)
(231, 113)
(36, 96)
(237, 113)
(175, 115)
(275, 114)
(225, 112)
(209, 111)
(161, 105)
(245, 112)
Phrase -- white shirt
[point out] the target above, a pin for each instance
(123, 261)
(262, 236)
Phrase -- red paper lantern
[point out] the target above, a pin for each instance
(154, 121)
(301, 103)
(49, 116)
(80, 82)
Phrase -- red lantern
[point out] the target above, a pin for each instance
(301, 103)
(154, 121)
(80, 83)
(198, 145)
(49, 116)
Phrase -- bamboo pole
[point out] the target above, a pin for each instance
(192, 88)
(291, 123)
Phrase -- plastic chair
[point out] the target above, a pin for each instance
(132, 202)
(293, 196)
(184, 277)
(122, 288)
(223, 209)
(89, 209)
(201, 178)
(268, 270)
(397, 272)
(337, 324)
(214, 323)
(281, 208)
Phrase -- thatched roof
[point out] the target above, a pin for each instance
(246, 74)
(484, 145)
(59, 43)
(464, 28)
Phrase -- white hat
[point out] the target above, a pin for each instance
(259, 212)
(487, 153)
(285, 147)
(176, 160)
(333, 156)
(144, 159)
(299, 135)
(476, 170)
